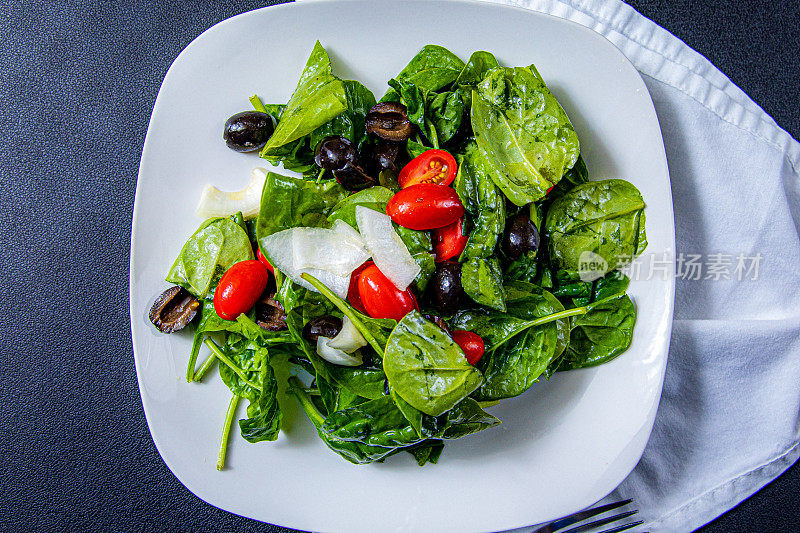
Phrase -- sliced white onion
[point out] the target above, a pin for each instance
(388, 250)
(346, 230)
(217, 203)
(326, 249)
(349, 339)
(280, 249)
(337, 357)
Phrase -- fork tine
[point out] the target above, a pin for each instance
(579, 516)
(623, 528)
(597, 523)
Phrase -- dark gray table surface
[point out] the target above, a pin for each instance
(78, 80)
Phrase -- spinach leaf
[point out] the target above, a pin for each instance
(467, 418)
(482, 281)
(350, 123)
(427, 451)
(374, 198)
(355, 452)
(575, 176)
(603, 333)
(290, 202)
(605, 218)
(366, 382)
(264, 415)
(414, 148)
(445, 112)
(433, 68)
(523, 131)
(376, 423)
(476, 69)
(209, 252)
(482, 200)
(318, 98)
(421, 249)
(426, 367)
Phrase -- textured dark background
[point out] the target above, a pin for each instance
(78, 80)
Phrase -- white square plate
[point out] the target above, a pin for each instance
(564, 444)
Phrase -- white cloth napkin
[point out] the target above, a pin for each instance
(729, 418)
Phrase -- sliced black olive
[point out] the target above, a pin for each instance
(521, 236)
(270, 315)
(248, 131)
(335, 153)
(354, 178)
(439, 321)
(445, 292)
(389, 120)
(323, 326)
(173, 309)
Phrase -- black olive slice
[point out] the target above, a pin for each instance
(389, 120)
(173, 309)
(324, 326)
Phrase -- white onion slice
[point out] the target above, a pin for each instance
(349, 339)
(280, 249)
(326, 249)
(346, 230)
(388, 250)
(337, 357)
(217, 203)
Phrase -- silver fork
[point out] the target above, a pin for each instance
(580, 516)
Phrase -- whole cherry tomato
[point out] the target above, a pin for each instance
(239, 289)
(432, 166)
(264, 260)
(449, 241)
(381, 298)
(352, 291)
(471, 343)
(425, 206)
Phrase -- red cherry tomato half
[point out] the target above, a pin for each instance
(548, 190)
(471, 343)
(449, 241)
(432, 166)
(239, 289)
(381, 298)
(352, 292)
(425, 206)
(264, 260)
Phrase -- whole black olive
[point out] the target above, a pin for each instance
(173, 309)
(335, 153)
(322, 326)
(444, 289)
(248, 131)
(521, 237)
(389, 120)
(354, 178)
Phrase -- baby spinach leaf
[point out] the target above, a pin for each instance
(427, 451)
(366, 382)
(605, 218)
(350, 123)
(482, 200)
(318, 98)
(467, 418)
(264, 415)
(482, 281)
(603, 333)
(374, 198)
(414, 149)
(290, 202)
(421, 249)
(523, 131)
(209, 252)
(445, 112)
(426, 367)
(432, 68)
(476, 69)
(376, 423)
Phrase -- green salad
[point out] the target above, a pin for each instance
(432, 253)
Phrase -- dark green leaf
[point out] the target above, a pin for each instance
(426, 367)
(433, 68)
(482, 281)
(264, 415)
(603, 333)
(598, 219)
(374, 198)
